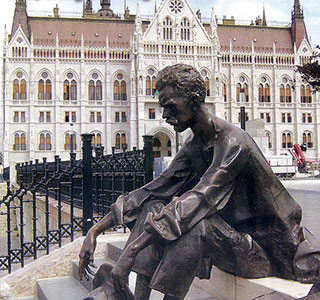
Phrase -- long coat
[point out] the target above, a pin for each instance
(229, 177)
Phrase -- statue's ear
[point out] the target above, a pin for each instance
(194, 103)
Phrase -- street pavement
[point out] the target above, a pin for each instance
(307, 193)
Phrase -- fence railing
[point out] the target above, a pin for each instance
(6, 174)
(54, 200)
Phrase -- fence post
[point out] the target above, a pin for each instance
(148, 160)
(87, 212)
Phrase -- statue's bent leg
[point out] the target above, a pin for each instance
(142, 290)
(167, 297)
(210, 242)
(232, 251)
(147, 259)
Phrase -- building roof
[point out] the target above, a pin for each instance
(70, 30)
(263, 37)
(95, 30)
(119, 31)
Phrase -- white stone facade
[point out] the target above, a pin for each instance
(232, 58)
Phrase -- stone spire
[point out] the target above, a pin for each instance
(138, 22)
(297, 11)
(87, 7)
(105, 11)
(105, 4)
(264, 19)
(214, 33)
(298, 27)
(20, 18)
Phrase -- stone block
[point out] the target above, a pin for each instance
(63, 288)
(229, 287)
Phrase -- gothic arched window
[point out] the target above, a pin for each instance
(242, 94)
(45, 141)
(96, 140)
(207, 85)
(286, 140)
(116, 90)
(119, 88)
(95, 87)
(167, 29)
(185, 29)
(19, 142)
(307, 139)
(68, 144)
(19, 87)
(269, 139)
(305, 94)
(121, 141)
(264, 92)
(123, 90)
(70, 88)
(151, 82)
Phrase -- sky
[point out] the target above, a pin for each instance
(244, 10)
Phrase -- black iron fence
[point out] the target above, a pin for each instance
(6, 174)
(54, 200)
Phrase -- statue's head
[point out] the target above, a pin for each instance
(181, 93)
(186, 81)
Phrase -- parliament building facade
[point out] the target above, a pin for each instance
(67, 76)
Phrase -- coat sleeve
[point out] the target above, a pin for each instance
(164, 187)
(210, 195)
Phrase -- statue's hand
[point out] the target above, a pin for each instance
(120, 273)
(86, 256)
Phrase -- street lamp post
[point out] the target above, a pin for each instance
(71, 138)
(242, 110)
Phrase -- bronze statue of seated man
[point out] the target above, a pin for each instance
(218, 203)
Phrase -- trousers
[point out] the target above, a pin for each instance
(172, 265)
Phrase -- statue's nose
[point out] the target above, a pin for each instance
(165, 113)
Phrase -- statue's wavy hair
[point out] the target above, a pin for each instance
(187, 82)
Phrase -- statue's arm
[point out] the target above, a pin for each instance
(127, 207)
(86, 255)
(169, 184)
(209, 196)
(125, 262)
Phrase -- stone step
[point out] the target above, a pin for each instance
(88, 284)
(194, 293)
(61, 288)
(24, 298)
(113, 251)
(229, 287)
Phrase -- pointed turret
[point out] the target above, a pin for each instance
(264, 19)
(298, 27)
(20, 18)
(214, 26)
(297, 11)
(138, 29)
(138, 22)
(5, 41)
(105, 11)
(87, 7)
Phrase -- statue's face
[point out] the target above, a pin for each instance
(176, 110)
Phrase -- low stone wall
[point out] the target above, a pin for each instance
(22, 283)
(226, 286)
(3, 218)
(41, 215)
(4, 222)
(28, 217)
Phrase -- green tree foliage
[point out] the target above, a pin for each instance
(311, 71)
